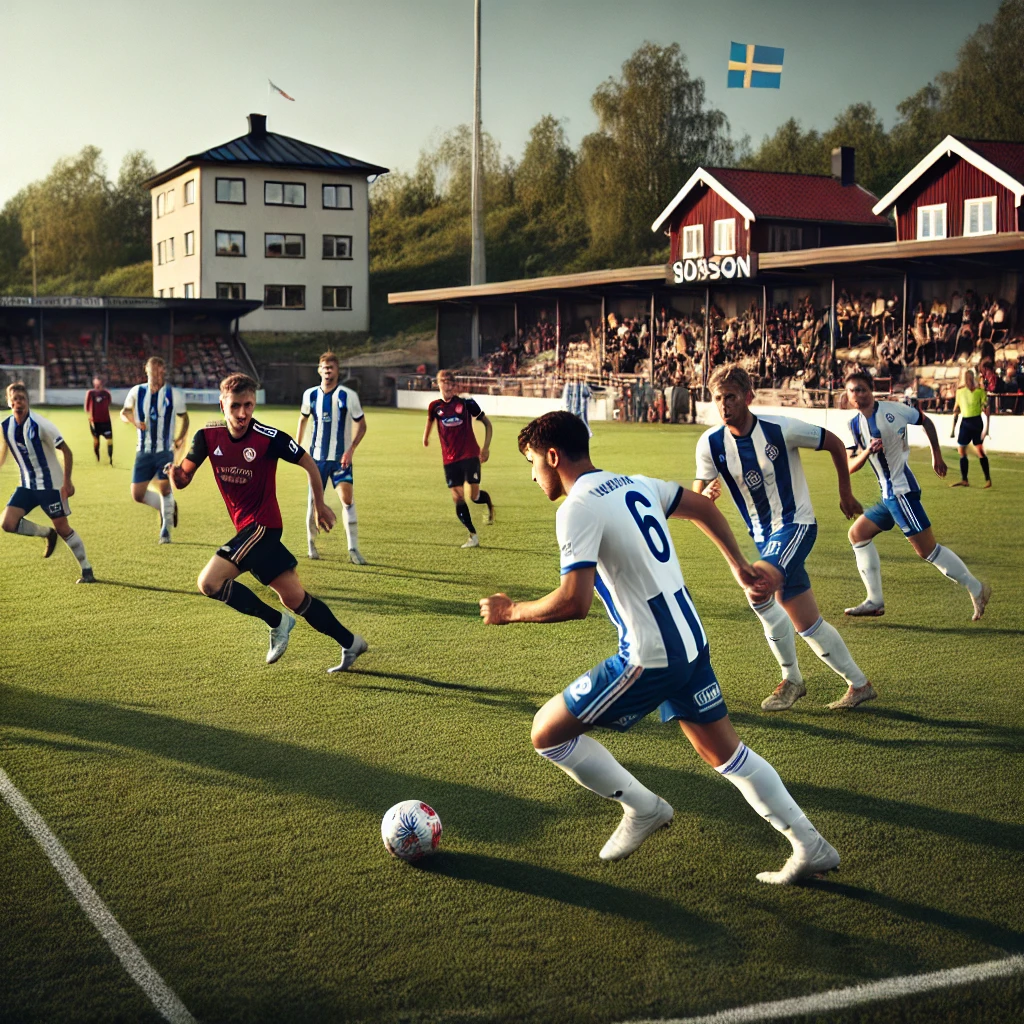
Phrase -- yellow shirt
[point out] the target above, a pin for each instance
(971, 403)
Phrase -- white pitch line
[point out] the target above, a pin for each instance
(159, 993)
(842, 998)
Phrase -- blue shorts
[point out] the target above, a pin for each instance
(616, 694)
(49, 501)
(334, 470)
(904, 511)
(149, 465)
(786, 549)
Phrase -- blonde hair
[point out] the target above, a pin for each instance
(733, 374)
(155, 361)
(16, 387)
(968, 372)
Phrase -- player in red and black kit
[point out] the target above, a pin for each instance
(244, 456)
(97, 408)
(459, 449)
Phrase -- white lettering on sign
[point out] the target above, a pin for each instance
(714, 269)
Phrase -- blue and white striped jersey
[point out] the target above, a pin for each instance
(888, 421)
(34, 447)
(333, 414)
(158, 411)
(763, 470)
(618, 524)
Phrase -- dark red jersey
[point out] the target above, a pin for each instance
(97, 405)
(455, 427)
(246, 469)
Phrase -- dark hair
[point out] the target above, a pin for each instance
(861, 375)
(561, 430)
(238, 384)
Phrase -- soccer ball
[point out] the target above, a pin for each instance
(410, 830)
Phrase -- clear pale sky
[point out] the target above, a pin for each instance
(382, 80)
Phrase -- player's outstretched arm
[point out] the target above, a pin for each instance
(571, 600)
(848, 504)
(938, 463)
(325, 517)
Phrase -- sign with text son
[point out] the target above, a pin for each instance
(714, 268)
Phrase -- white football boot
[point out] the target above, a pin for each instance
(865, 608)
(279, 637)
(634, 829)
(349, 654)
(473, 542)
(805, 863)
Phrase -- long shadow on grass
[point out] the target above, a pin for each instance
(146, 586)
(329, 776)
(690, 791)
(664, 916)
(405, 604)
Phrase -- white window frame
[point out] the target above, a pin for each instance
(190, 243)
(693, 241)
(189, 191)
(190, 290)
(930, 212)
(981, 202)
(725, 247)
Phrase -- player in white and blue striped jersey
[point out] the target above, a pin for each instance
(878, 436)
(613, 532)
(34, 441)
(758, 457)
(338, 427)
(154, 409)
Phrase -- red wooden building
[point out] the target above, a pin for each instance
(962, 188)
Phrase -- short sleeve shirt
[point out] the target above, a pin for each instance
(454, 421)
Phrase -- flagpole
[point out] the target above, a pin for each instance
(478, 266)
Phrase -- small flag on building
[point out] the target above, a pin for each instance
(278, 89)
(755, 67)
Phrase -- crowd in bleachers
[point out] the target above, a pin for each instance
(72, 360)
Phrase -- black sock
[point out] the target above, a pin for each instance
(110, 452)
(322, 619)
(983, 459)
(963, 467)
(238, 596)
(482, 499)
(462, 511)
(96, 449)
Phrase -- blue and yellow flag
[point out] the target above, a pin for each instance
(755, 67)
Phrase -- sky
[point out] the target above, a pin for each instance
(381, 81)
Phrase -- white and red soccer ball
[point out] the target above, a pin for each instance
(411, 830)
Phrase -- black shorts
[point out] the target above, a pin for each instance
(258, 550)
(465, 471)
(101, 429)
(970, 431)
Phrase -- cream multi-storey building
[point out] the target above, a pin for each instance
(271, 218)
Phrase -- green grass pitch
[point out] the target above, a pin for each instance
(228, 812)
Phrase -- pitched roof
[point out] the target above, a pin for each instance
(1001, 161)
(782, 195)
(268, 149)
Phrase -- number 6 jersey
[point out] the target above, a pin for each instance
(619, 524)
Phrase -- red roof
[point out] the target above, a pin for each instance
(788, 196)
(1007, 156)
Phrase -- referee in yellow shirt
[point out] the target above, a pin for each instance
(972, 404)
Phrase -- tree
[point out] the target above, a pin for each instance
(129, 209)
(543, 179)
(791, 149)
(860, 127)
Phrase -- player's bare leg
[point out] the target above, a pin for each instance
(862, 535)
(348, 517)
(462, 511)
(14, 521)
(479, 497)
(718, 745)
(952, 567)
(560, 737)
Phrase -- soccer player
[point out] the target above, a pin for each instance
(972, 403)
(334, 409)
(34, 442)
(97, 408)
(878, 434)
(244, 454)
(152, 408)
(459, 449)
(759, 459)
(613, 533)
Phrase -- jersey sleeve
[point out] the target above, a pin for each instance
(431, 409)
(706, 470)
(473, 408)
(49, 432)
(668, 492)
(914, 417)
(849, 433)
(355, 407)
(306, 408)
(284, 447)
(801, 434)
(199, 450)
(178, 397)
(579, 536)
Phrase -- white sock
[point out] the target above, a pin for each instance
(29, 529)
(348, 514)
(762, 788)
(152, 499)
(870, 568)
(593, 766)
(781, 637)
(167, 511)
(74, 542)
(951, 565)
(828, 645)
(310, 519)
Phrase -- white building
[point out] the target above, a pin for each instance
(270, 218)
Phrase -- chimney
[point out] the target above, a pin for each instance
(258, 126)
(842, 165)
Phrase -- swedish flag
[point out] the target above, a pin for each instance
(755, 67)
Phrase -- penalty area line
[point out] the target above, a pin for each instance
(137, 966)
(843, 998)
